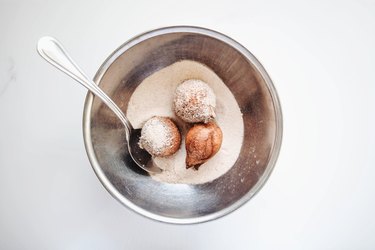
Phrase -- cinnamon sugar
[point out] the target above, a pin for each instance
(194, 101)
(156, 136)
(154, 97)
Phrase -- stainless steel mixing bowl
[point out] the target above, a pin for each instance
(104, 135)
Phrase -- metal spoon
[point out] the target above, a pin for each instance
(54, 53)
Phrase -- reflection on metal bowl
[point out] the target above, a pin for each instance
(140, 57)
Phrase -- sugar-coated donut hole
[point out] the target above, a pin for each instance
(194, 101)
(160, 136)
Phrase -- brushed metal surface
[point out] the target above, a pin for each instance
(105, 140)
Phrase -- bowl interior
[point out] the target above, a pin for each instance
(181, 203)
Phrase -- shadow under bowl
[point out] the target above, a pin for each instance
(104, 135)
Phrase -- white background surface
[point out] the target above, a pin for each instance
(321, 57)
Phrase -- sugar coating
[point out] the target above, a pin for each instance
(154, 96)
(157, 136)
(194, 101)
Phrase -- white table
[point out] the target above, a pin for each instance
(321, 195)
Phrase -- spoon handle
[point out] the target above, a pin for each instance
(54, 53)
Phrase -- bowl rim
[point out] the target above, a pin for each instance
(86, 123)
